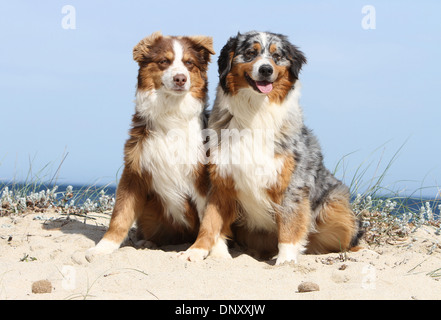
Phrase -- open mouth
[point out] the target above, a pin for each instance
(264, 87)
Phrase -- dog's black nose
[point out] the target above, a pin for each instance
(266, 70)
(180, 79)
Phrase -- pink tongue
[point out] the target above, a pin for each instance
(264, 86)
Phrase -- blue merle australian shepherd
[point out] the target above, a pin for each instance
(274, 197)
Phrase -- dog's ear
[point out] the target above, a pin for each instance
(226, 59)
(141, 50)
(204, 45)
(297, 59)
(203, 42)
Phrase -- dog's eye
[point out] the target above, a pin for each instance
(189, 63)
(250, 54)
(277, 57)
(164, 62)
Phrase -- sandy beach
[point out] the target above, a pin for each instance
(47, 246)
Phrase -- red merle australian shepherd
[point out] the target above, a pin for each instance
(163, 186)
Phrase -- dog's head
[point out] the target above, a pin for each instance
(177, 65)
(264, 62)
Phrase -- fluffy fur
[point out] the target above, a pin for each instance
(278, 198)
(164, 184)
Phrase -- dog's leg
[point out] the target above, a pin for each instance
(292, 212)
(209, 233)
(215, 227)
(124, 214)
(293, 224)
(220, 249)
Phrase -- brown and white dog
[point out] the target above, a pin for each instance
(163, 186)
(269, 188)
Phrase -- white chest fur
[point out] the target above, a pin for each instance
(172, 150)
(248, 157)
(246, 151)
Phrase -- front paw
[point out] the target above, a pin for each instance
(193, 254)
(281, 259)
(220, 250)
(102, 248)
(288, 252)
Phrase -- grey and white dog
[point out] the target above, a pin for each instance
(269, 191)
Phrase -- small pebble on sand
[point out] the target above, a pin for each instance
(308, 287)
(42, 286)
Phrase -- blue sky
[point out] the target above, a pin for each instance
(365, 92)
